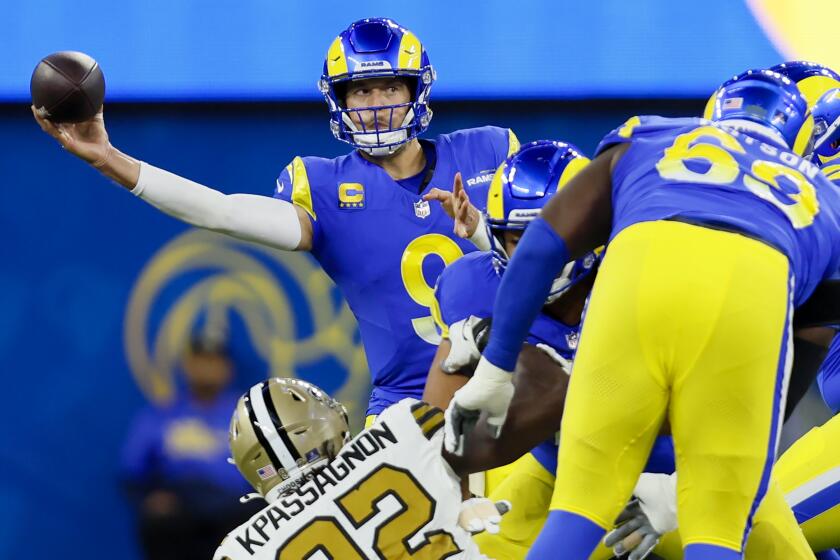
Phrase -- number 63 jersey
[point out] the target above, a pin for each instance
(384, 246)
(387, 495)
(738, 180)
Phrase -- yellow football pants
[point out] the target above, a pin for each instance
(692, 323)
(774, 534)
(528, 487)
(809, 474)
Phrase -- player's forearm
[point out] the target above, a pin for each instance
(255, 218)
(539, 257)
(441, 386)
(119, 167)
(534, 416)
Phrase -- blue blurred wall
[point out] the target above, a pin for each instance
(270, 49)
(74, 246)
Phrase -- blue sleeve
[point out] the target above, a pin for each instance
(641, 126)
(142, 447)
(540, 255)
(463, 290)
(283, 186)
(828, 378)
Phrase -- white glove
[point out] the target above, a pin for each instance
(482, 514)
(490, 390)
(646, 518)
(464, 352)
(634, 534)
(657, 494)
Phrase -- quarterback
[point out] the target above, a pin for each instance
(366, 216)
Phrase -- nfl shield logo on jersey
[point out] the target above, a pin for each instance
(572, 340)
(422, 209)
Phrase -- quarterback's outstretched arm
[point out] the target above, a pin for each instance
(261, 219)
(576, 220)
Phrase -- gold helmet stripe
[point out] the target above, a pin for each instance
(267, 432)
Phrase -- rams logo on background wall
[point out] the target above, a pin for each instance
(804, 29)
(293, 314)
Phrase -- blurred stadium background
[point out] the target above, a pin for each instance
(99, 291)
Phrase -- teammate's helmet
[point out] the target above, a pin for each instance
(826, 113)
(768, 99)
(812, 79)
(522, 185)
(377, 48)
(282, 431)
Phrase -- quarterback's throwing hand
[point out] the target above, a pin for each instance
(490, 390)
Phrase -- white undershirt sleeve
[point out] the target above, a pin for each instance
(479, 237)
(262, 219)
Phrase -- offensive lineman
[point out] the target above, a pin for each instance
(702, 216)
(807, 471)
(522, 185)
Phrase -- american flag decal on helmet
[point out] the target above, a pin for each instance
(733, 103)
(266, 472)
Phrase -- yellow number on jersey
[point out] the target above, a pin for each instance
(415, 283)
(765, 177)
(391, 538)
(723, 169)
(322, 534)
(417, 510)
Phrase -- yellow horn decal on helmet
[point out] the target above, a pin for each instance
(495, 201)
(336, 61)
(832, 172)
(803, 137)
(410, 52)
(709, 110)
(813, 87)
(572, 169)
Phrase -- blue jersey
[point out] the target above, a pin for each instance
(385, 247)
(828, 378)
(702, 172)
(469, 286)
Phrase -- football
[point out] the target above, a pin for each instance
(69, 86)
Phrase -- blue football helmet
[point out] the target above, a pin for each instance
(521, 186)
(826, 113)
(377, 48)
(770, 100)
(812, 79)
